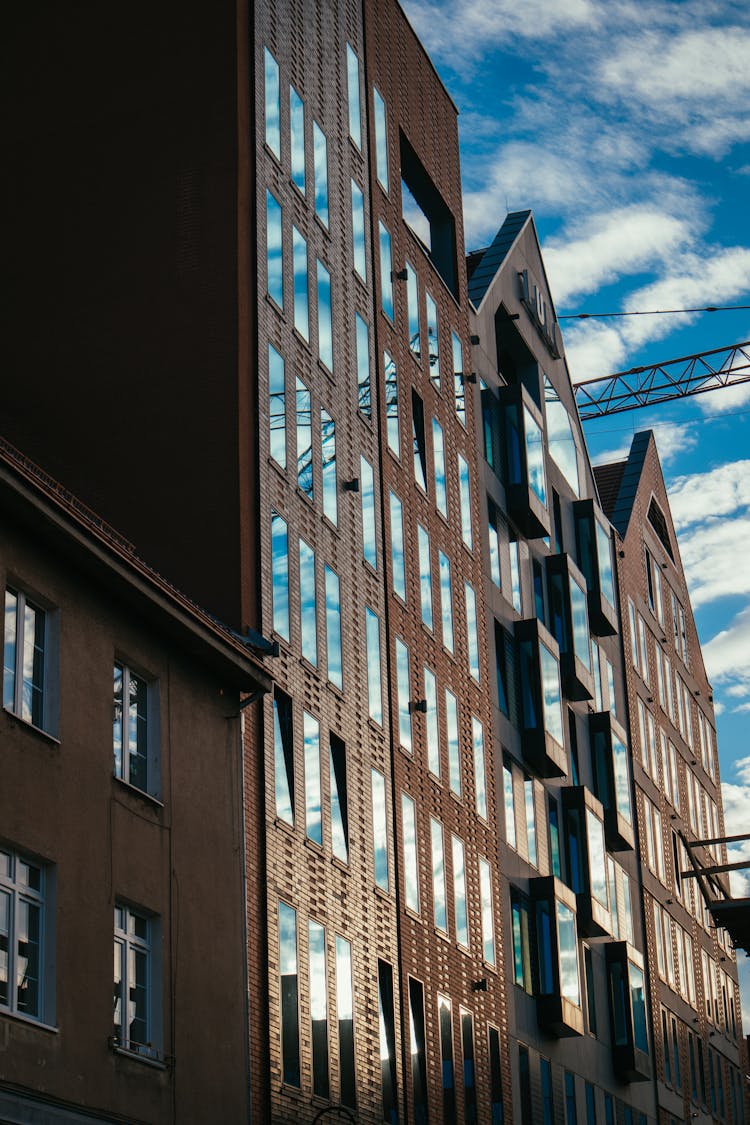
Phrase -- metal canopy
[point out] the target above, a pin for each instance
(732, 914)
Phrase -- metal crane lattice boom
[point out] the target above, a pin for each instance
(662, 382)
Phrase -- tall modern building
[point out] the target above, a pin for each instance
(243, 330)
(695, 1004)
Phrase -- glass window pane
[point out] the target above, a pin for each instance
(465, 498)
(355, 113)
(325, 323)
(273, 104)
(459, 390)
(283, 756)
(386, 270)
(515, 576)
(364, 394)
(433, 342)
(510, 811)
(328, 450)
(438, 455)
(604, 550)
(320, 166)
(580, 618)
(318, 1009)
(398, 564)
(358, 231)
(308, 605)
(438, 875)
(297, 130)
(301, 301)
(425, 575)
(339, 800)
(333, 628)
(488, 922)
(622, 780)
(529, 805)
(404, 695)
(280, 573)
(379, 830)
(304, 439)
(454, 754)
(459, 892)
(411, 863)
(313, 819)
(472, 635)
(345, 1016)
(638, 1001)
(391, 404)
(551, 697)
(597, 861)
(412, 310)
(561, 443)
(369, 537)
(277, 406)
(446, 600)
(535, 457)
(374, 692)
(432, 735)
(381, 140)
(274, 262)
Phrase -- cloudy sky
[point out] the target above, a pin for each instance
(624, 125)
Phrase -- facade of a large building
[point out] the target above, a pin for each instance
(264, 361)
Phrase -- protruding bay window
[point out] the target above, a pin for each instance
(559, 995)
(594, 543)
(628, 1015)
(541, 700)
(609, 754)
(570, 625)
(526, 489)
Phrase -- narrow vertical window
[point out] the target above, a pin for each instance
(515, 577)
(488, 920)
(301, 300)
(510, 808)
(386, 272)
(398, 563)
(391, 404)
(445, 1020)
(432, 736)
(425, 575)
(528, 797)
(403, 691)
(364, 393)
(358, 231)
(283, 754)
(459, 892)
(494, 537)
(289, 994)
(446, 600)
(328, 451)
(387, 1028)
(459, 390)
(274, 263)
(381, 140)
(280, 575)
(571, 1110)
(438, 459)
(318, 1009)
(411, 862)
(496, 1076)
(355, 111)
(433, 342)
(418, 442)
(273, 104)
(548, 1105)
(23, 886)
(454, 754)
(311, 740)
(339, 800)
(438, 875)
(418, 1050)
(345, 1018)
(464, 493)
(277, 406)
(308, 603)
(320, 171)
(369, 537)
(304, 439)
(472, 634)
(130, 722)
(412, 310)
(374, 690)
(480, 781)
(325, 322)
(333, 628)
(297, 130)
(379, 830)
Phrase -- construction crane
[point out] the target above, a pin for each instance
(662, 382)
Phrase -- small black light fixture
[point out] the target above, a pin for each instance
(468, 377)
(351, 485)
(400, 275)
(474, 340)
(621, 554)
(418, 706)
(479, 985)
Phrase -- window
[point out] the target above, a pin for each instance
(411, 861)
(459, 379)
(283, 756)
(280, 575)
(387, 1028)
(369, 537)
(459, 892)
(313, 817)
(510, 808)
(398, 565)
(488, 921)
(391, 405)
(418, 442)
(480, 781)
(273, 104)
(438, 456)
(445, 1021)
(412, 311)
(403, 691)
(519, 914)
(386, 272)
(417, 1050)
(454, 755)
(325, 322)
(304, 439)
(297, 131)
(561, 443)
(26, 987)
(339, 799)
(571, 1111)
(135, 730)
(496, 1076)
(590, 1104)
(136, 1013)
(446, 600)
(381, 140)
(515, 576)
(320, 169)
(28, 682)
(328, 451)
(467, 1050)
(379, 830)
(524, 1072)
(588, 966)
(333, 628)
(364, 392)
(358, 231)
(277, 406)
(548, 1105)
(432, 737)
(433, 342)
(318, 1009)
(438, 875)
(529, 806)
(428, 216)
(345, 1018)
(308, 603)
(472, 633)
(464, 495)
(274, 261)
(289, 989)
(374, 690)
(355, 111)
(425, 575)
(301, 300)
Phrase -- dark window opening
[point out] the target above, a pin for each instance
(527, 1116)
(418, 441)
(501, 668)
(496, 1078)
(467, 1049)
(514, 360)
(659, 524)
(418, 1050)
(387, 1042)
(428, 216)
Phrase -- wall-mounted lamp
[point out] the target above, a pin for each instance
(400, 275)
(479, 985)
(351, 485)
(418, 705)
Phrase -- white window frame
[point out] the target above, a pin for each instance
(125, 943)
(18, 892)
(49, 684)
(153, 779)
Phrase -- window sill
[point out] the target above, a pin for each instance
(43, 735)
(136, 792)
(124, 1052)
(29, 1021)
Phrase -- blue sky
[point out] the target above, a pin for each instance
(625, 127)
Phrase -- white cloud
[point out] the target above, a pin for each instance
(727, 655)
(736, 800)
(717, 492)
(710, 554)
(473, 26)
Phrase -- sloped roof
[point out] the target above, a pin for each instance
(493, 257)
(608, 480)
(619, 507)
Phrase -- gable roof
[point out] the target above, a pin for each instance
(618, 503)
(484, 270)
